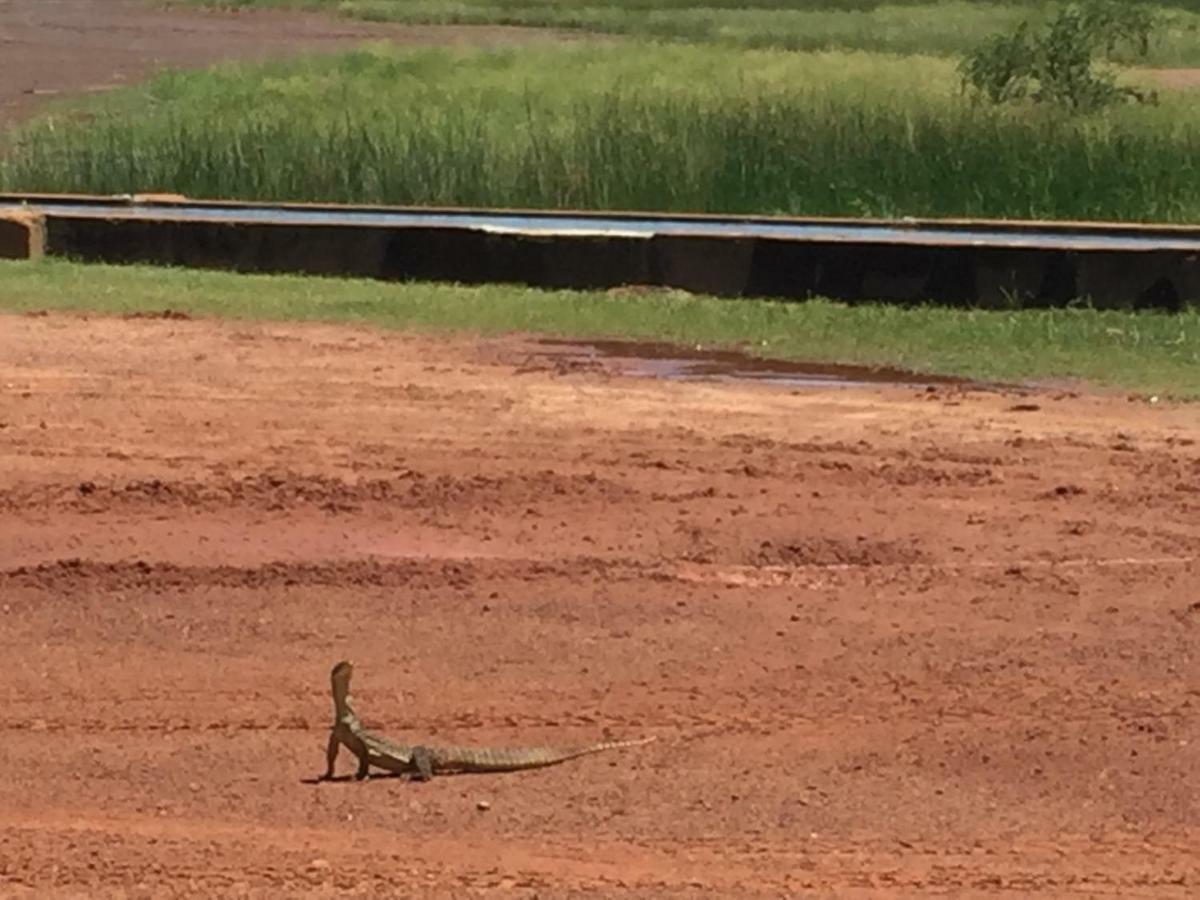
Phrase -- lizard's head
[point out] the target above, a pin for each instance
(340, 676)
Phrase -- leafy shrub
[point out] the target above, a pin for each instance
(1058, 64)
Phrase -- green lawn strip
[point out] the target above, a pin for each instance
(626, 126)
(1144, 352)
(948, 27)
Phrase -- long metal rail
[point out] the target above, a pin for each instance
(962, 261)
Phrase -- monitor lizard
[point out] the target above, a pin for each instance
(421, 763)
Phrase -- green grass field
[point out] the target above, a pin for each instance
(899, 26)
(1146, 352)
(625, 126)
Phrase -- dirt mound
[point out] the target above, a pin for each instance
(170, 315)
(71, 575)
(283, 490)
(826, 551)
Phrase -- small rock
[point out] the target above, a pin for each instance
(194, 787)
(483, 806)
(319, 864)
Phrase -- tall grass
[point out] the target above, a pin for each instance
(944, 27)
(636, 126)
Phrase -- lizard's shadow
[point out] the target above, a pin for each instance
(344, 779)
(403, 776)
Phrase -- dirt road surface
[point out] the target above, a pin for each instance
(893, 642)
(53, 48)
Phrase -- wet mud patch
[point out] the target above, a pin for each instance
(675, 362)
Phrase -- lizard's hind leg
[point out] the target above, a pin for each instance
(422, 761)
(364, 763)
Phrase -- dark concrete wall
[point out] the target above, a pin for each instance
(843, 270)
(312, 250)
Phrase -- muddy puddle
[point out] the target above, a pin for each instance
(682, 363)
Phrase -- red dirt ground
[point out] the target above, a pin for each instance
(61, 47)
(893, 642)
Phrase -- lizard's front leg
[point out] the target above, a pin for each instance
(331, 752)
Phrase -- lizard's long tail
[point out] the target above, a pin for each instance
(468, 759)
